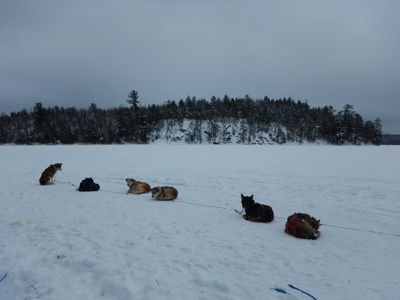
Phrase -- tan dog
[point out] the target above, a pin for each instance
(137, 187)
(47, 176)
(164, 193)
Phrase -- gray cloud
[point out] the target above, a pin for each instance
(77, 52)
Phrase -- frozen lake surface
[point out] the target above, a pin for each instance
(58, 243)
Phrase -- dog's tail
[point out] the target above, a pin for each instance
(42, 181)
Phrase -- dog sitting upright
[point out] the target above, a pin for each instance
(164, 193)
(137, 187)
(256, 212)
(302, 226)
(48, 174)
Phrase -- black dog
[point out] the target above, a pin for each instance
(256, 212)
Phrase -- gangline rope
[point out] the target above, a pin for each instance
(276, 217)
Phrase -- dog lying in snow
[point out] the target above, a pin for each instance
(302, 226)
(47, 176)
(137, 187)
(256, 212)
(164, 193)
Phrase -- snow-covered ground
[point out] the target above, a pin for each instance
(58, 243)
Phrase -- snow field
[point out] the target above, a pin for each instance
(58, 243)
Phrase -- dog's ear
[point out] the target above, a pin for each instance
(251, 197)
(242, 195)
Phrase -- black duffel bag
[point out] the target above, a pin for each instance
(88, 185)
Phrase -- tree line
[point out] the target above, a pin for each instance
(291, 120)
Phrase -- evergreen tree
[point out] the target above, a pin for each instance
(133, 130)
(243, 132)
(40, 123)
(212, 131)
(133, 99)
(377, 139)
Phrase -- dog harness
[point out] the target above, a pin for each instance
(292, 223)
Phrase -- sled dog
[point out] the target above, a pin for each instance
(256, 212)
(137, 187)
(302, 226)
(164, 193)
(47, 176)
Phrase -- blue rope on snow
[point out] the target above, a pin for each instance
(280, 290)
(304, 292)
(2, 278)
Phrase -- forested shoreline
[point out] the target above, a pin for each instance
(218, 120)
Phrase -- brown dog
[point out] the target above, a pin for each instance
(164, 193)
(302, 226)
(256, 212)
(48, 174)
(137, 187)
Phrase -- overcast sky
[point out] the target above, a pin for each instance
(75, 52)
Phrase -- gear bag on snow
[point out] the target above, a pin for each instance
(88, 185)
